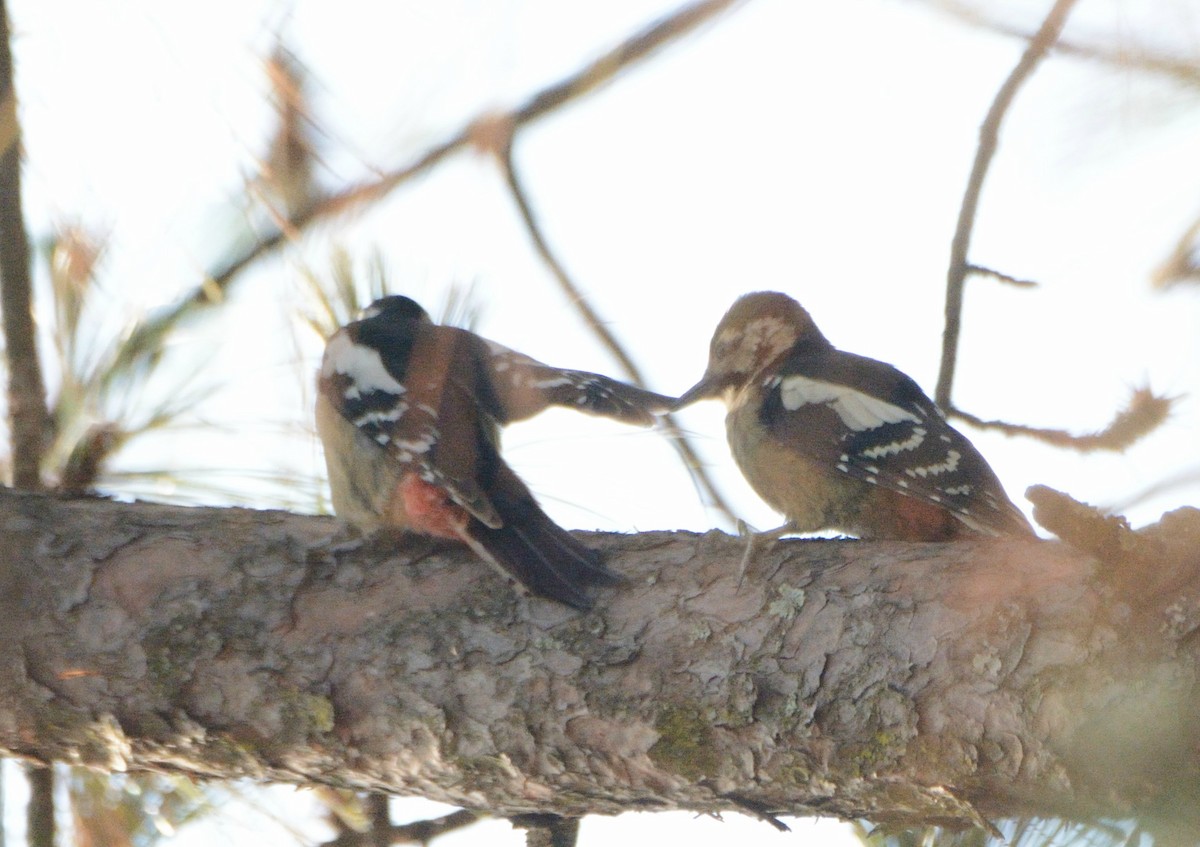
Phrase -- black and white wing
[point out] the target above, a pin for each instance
(870, 421)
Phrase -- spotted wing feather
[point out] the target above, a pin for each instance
(524, 386)
(868, 420)
(368, 376)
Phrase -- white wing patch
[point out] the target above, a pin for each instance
(362, 364)
(857, 410)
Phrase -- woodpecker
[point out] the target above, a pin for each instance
(409, 415)
(838, 441)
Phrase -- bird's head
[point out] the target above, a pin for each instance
(395, 307)
(756, 331)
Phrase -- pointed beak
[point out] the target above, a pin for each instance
(708, 387)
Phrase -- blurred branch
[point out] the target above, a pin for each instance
(1145, 412)
(287, 172)
(497, 136)
(980, 270)
(989, 133)
(39, 814)
(1185, 477)
(1184, 71)
(548, 830)
(633, 49)
(26, 389)
(1084, 527)
(590, 78)
(418, 832)
(379, 817)
(422, 832)
(1183, 263)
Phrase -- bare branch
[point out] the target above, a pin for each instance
(635, 48)
(548, 830)
(503, 150)
(579, 84)
(1084, 527)
(26, 388)
(417, 832)
(287, 171)
(1182, 70)
(989, 135)
(1145, 413)
(1185, 477)
(1183, 263)
(422, 832)
(980, 270)
(379, 832)
(39, 813)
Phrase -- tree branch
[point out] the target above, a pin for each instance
(989, 136)
(1181, 70)
(669, 426)
(1145, 412)
(39, 813)
(26, 390)
(1008, 279)
(548, 830)
(417, 832)
(933, 683)
(585, 81)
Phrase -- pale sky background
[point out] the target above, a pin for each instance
(815, 148)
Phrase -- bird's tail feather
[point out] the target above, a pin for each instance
(542, 556)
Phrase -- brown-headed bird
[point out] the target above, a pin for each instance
(409, 414)
(838, 441)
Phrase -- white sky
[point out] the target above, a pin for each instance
(815, 148)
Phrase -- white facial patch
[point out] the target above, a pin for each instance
(362, 364)
(745, 348)
(858, 411)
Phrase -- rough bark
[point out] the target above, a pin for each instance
(898, 682)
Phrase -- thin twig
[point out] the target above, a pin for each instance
(635, 48)
(583, 82)
(548, 830)
(417, 832)
(980, 270)
(26, 389)
(380, 820)
(758, 810)
(39, 813)
(1183, 263)
(670, 427)
(1146, 412)
(989, 134)
(1181, 70)
(1179, 479)
(422, 832)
